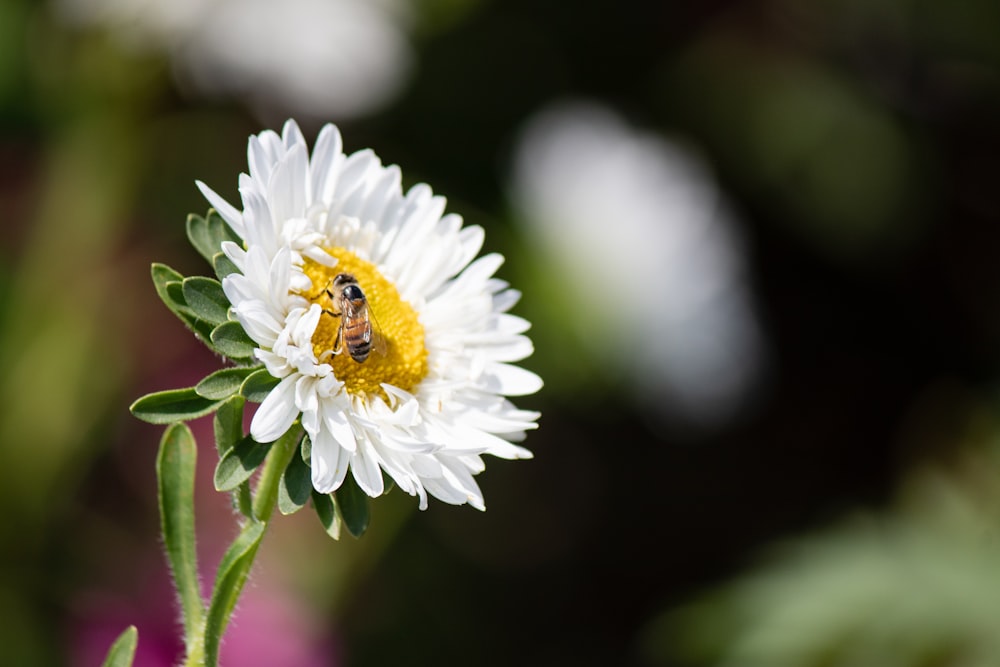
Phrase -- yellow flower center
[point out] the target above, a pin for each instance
(400, 359)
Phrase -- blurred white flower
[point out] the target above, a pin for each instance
(322, 58)
(651, 256)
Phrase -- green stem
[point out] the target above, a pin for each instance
(266, 493)
(235, 566)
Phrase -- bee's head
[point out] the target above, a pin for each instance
(353, 293)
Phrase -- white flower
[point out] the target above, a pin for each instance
(325, 58)
(599, 193)
(432, 401)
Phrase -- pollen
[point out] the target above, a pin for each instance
(400, 359)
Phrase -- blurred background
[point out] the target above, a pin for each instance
(758, 242)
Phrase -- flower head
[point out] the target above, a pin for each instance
(429, 399)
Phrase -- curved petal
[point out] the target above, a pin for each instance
(277, 413)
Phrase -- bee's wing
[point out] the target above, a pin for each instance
(378, 339)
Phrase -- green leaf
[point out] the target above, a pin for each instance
(229, 581)
(175, 471)
(258, 385)
(169, 287)
(173, 405)
(239, 463)
(327, 513)
(207, 234)
(223, 265)
(122, 651)
(230, 340)
(205, 298)
(223, 383)
(295, 487)
(228, 424)
(353, 505)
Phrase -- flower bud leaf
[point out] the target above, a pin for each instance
(239, 463)
(206, 300)
(122, 651)
(353, 506)
(231, 341)
(175, 472)
(207, 234)
(295, 487)
(223, 383)
(327, 513)
(229, 581)
(173, 405)
(258, 385)
(228, 424)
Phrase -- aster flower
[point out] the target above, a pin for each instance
(427, 406)
(379, 348)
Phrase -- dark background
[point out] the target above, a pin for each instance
(871, 244)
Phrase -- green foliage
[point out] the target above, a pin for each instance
(228, 424)
(223, 265)
(122, 652)
(207, 234)
(258, 385)
(326, 511)
(229, 581)
(173, 405)
(204, 296)
(238, 464)
(296, 485)
(175, 472)
(353, 506)
(918, 587)
(223, 383)
(202, 306)
(230, 340)
(169, 287)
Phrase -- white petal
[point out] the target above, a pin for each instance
(329, 463)
(277, 413)
(326, 159)
(511, 380)
(229, 213)
(366, 470)
(336, 423)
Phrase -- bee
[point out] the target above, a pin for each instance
(356, 332)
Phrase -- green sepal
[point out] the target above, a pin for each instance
(228, 424)
(223, 383)
(207, 234)
(169, 287)
(258, 385)
(173, 405)
(223, 265)
(122, 651)
(205, 298)
(353, 506)
(326, 511)
(229, 581)
(232, 341)
(239, 463)
(175, 473)
(296, 485)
